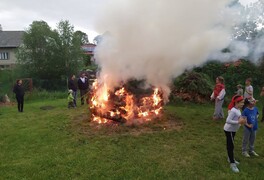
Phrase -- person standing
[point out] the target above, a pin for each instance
(239, 90)
(250, 128)
(248, 94)
(20, 92)
(83, 85)
(218, 95)
(233, 122)
(72, 86)
(70, 99)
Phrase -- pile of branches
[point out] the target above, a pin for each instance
(192, 86)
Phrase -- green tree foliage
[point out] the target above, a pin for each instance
(237, 74)
(51, 55)
(212, 68)
(234, 73)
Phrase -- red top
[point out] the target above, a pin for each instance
(218, 88)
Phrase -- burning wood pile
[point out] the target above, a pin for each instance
(126, 104)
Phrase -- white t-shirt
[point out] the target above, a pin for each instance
(232, 124)
(248, 89)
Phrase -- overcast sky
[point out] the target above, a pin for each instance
(19, 14)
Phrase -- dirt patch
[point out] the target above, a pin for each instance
(82, 125)
(47, 107)
(7, 104)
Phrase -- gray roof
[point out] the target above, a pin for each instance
(11, 38)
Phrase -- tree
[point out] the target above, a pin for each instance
(36, 55)
(82, 37)
(51, 55)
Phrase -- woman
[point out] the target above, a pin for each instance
(19, 91)
(218, 95)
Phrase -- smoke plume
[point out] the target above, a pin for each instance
(157, 40)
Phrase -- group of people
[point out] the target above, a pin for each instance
(242, 110)
(83, 85)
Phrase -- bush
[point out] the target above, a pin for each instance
(212, 68)
(193, 86)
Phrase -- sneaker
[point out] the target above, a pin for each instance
(254, 153)
(234, 168)
(245, 154)
(236, 162)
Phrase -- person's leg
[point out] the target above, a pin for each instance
(245, 140)
(230, 145)
(86, 96)
(18, 103)
(215, 111)
(82, 92)
(252, 140)
(22, 104)
(75, 98)
(221, 112)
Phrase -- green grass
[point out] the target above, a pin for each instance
(48, 144)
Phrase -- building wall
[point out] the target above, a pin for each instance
(11, 60)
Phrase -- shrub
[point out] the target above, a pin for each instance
(193, 86)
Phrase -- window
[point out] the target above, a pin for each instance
(4, 56)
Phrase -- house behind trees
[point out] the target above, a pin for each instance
(9, 42)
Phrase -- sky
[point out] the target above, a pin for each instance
(18, 14)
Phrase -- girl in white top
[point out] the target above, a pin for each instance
(233, 122)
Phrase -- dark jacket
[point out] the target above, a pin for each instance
(19, 90)
(72, 85)
(83, 86)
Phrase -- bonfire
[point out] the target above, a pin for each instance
(124, 105)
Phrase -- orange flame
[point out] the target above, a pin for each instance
(123, 106)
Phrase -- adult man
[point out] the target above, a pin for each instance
(72, 85)
(83, 85)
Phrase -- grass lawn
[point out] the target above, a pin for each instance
(58, 144)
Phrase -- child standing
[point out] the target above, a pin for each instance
(218, 95)
(248, 94)
(233, 122)
(70, 99)
(250, 128)
(239, 90)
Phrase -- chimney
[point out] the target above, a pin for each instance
(1, 29)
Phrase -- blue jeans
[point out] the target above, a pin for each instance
(249, 137)
(74, 94)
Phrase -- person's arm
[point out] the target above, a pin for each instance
(221, 94)
(248, 123)
(230, 118)
(212, 95)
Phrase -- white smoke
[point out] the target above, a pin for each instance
(157, 40)
(236, 50)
